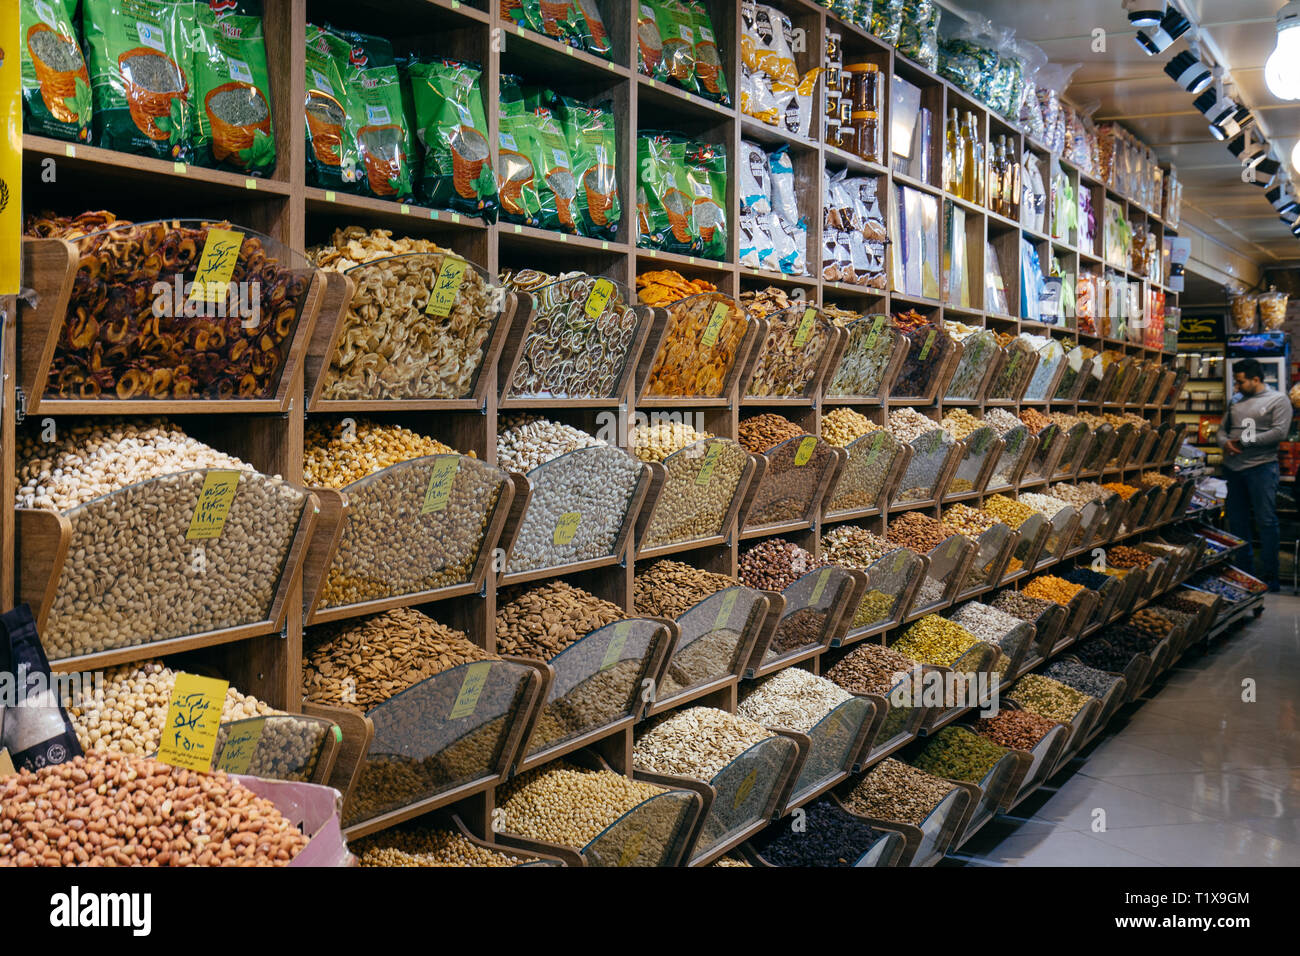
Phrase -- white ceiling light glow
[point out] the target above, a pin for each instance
(1282, 69)
(1144, 13)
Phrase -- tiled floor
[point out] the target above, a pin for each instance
(1192, 776)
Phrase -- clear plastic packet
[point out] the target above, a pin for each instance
(784, 202)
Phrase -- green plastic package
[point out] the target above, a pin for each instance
(232, 115)
(706, 171)
(589, 131)
(664, 198)
(515, 174)
(139, 55)
(332, 161)
(372, 81)
(666, 42)
(55, 81)
(414, 152)
(557, 186)
(456, 166)
(709, 70)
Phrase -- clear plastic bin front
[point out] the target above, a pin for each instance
(697, 493)
(863, 480)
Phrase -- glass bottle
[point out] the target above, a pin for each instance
(955, 156)
(970, 157)
(997, 161)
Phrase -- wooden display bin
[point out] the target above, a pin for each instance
(1017, 645)
(837, 745)
(1080, 727)
(346, 555)
(897, 722)
(970, 476)
(932, 358)
(64, 570)
(551, 323)
(446, 738)
(659, 831)
(1092, 517)
(1074, 448)
(1047, 375)
(1110, 705)
(979, 661)
(1042, 463)
(817, 608)
(678, 520)
(1099, 452)
(861, 491)
(892, 583)
(935, 457)
(947, 565)
(1028, 548)
(594, 688)
(1018, 448)
(870, 339)
(717, 638)
(747, 794)
(993, 550)
(790, 492)
(980, 359)
(1044, 757)
(1068, 389)
(673, 322)
(884, 852)
(1016, 368)
(1099, 382)
(563, 545)
(810, 329)
(1080, 612)
(988, 796)
(927, 844)
(51, 353)
(1122, 448)
(290, 747)
(1061, 530)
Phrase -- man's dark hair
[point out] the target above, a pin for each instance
(1248, 368)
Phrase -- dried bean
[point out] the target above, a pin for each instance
(543, 621)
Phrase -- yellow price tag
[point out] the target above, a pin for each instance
(193, 719)
(446, 287)
(406, 210)
(6, 765)
(242, 738)
(178, 169)
(745, 789)
(877, 324)
(471, 689)
(805, 327)
(714, 326)
(929, 341)
(216, 265)
(330, 195)
(70, 151)
(805, 452)
(455, 219)
(441, 479)
(604, 244)
(820, 587)
(250, 183)
(614, 652)
(566, 528)
(876, 442)
(728, 605)
(598, 298)
(213, 506)
(631, 849)
(710, 463)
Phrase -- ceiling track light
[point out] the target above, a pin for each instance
(1295, 229)
(1290, 216)
(1160, 37)
(1282, 198)
(1187, 70)
(1145, 13)
(1246, 146)
(1282, 68)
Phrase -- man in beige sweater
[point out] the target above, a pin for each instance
(1257, 421)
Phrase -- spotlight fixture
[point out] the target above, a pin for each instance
(1295, 229)
(1189, 72)
(1219, 109)
(1145, 13)
(1282, 68)
(1290, 217)
(1246, 147)
(1282, 198)
(1158, 38)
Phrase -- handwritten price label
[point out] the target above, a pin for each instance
(441, 479)
(710, 463)
(831, 725)
(598, 298)
(728, 605)
(213, 506)
(446, 287)
(805, 327)
(6, 765)
(471, 689)
(929, 341)
(805, 452)
(216, 265)
(820, 587)
(745, 789)
(876, 442)
(242, 738)
(877, 324)
(617, 642)
(631, 849)
(714, 326)
(566, 528)
(193, 719)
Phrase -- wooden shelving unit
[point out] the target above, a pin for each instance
(267, 662)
